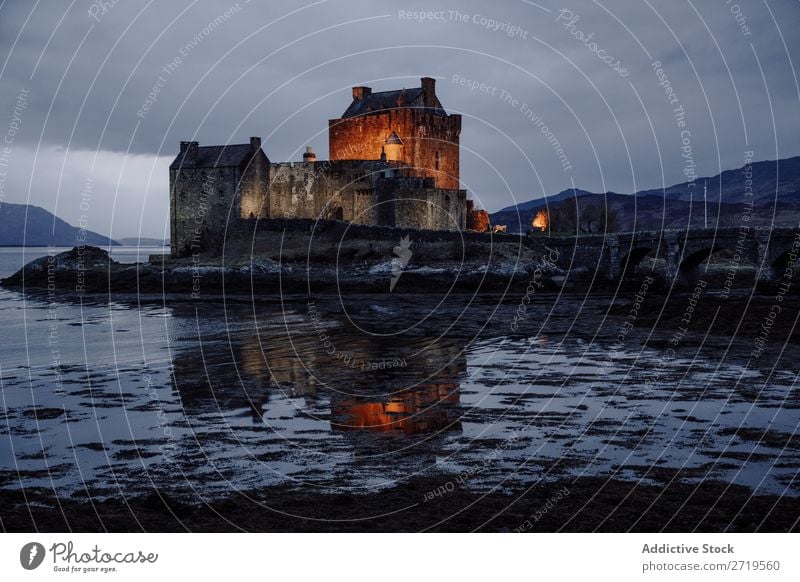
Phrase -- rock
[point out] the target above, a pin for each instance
(478, 220)
(435, 267)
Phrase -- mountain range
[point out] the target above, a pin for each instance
(32, 226)
(775, 198)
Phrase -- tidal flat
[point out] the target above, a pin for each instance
(400, 412)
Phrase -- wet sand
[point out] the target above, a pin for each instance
(591, 504)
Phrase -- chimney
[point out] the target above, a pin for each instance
(428, 91)
(309, 156)
(189, 149)
(255, 143)
(361, 92)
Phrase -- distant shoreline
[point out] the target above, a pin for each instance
(72, 246)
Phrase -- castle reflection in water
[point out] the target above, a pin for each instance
(390, 385)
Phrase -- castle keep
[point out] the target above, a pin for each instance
(394, 161)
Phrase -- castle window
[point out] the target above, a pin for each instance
(438, 157)
(447, 198)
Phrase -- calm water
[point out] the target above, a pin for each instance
(363, 392)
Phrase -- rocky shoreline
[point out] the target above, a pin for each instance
(91, 270)
(500, 264)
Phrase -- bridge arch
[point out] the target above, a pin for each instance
(629, 262)
(690, 263)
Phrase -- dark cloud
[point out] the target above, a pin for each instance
(226, 70)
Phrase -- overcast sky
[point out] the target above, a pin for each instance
(85, 139)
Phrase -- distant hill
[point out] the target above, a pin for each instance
(781, 177)
(677, 206)
(32, 226)
(539, 202)
(133, 241)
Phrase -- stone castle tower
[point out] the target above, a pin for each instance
(394, 161)
(407, 125)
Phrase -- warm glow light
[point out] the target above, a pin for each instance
(424, 409)
(540, 220)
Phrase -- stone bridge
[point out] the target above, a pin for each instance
(770, 250)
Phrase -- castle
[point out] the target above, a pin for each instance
(394, 161)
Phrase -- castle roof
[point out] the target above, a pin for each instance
(224, 156)
(385, 100)
(346, 165)
(394, 139)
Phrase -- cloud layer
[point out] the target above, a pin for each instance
(112, 87)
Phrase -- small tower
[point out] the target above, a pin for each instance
(393, 146)
(309, 156)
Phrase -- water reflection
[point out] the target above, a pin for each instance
(395, 385)
(236, 397)
(423, 409)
